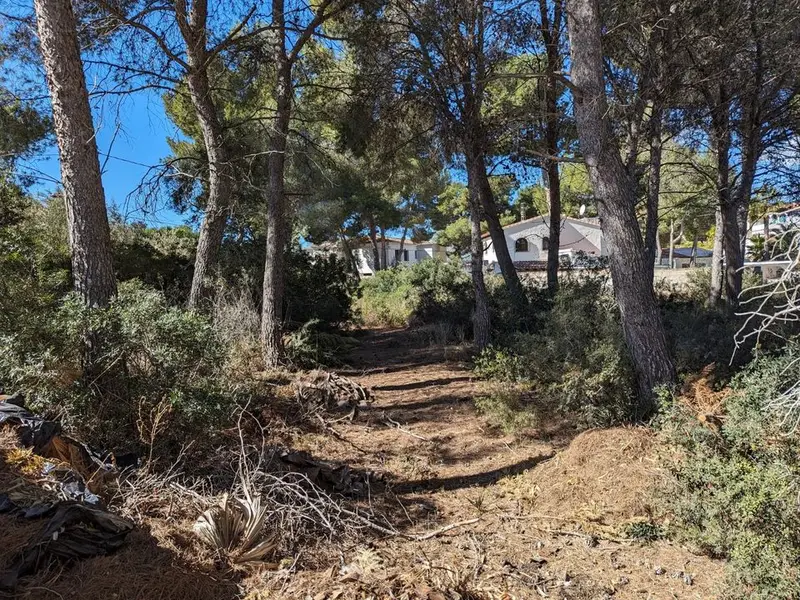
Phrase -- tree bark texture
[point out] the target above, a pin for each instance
(478, 178)
(551, 33)
(481, 324)
(726, 225)
(192, 24)
(271, 316)
(87, 219)
(717, 259)
(615, 193)
(653, 190)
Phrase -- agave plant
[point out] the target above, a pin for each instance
(236, 526)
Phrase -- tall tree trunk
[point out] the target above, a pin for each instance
(481, 324)
(733, 254)
(192, 24)
(479, 179)
(402, 244)
(220, 182)
(751, 144)
(671, 243)
(653, 189)
(384, 258)
(717, 274)
(726, 229)
(554, 197)
(87, 220)
(349, 255)
(615, 193)
(693, 260)
(658, 248)
(551, 33)
(373, 239)
(271, 316)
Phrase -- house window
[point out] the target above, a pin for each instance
(545, 243)
(400, 256)
(521, 245)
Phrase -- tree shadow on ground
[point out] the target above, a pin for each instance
(483, 479)
(409, 409)
(143, 568)
(418, 385)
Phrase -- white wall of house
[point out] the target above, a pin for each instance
(576, 235)
(411, 254)
(681, 262)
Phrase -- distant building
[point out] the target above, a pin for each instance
(528, 242)
(769, 226)
(682, 257)
(409, 254)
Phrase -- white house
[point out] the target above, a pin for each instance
(395, 252)
(684, 257)
(775, 223)
(772, 225)
(528, 241)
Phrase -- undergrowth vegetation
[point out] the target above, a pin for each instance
(431, 291)
(161, 375)
(733, 490)
(160, 364)
(573, 362)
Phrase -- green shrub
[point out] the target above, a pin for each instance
(318, 288)
(309, 347)
(148, 357)
(698, 285)
(386, 299)
(443, 292)
(500, 364)
(162, 258)
(428, 292)
(699, 336)
(506, 406)
(34, 262)
(576, 361)
(733, 492)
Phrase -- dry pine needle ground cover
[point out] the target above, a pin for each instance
(482, 515)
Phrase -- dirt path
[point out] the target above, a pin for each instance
(541, 516)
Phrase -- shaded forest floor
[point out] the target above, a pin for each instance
(480, 514)
(553, 507)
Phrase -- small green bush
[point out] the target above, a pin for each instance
(733, 492)
(318, 288)
(505, 405)
(500, 364)
(576, 360)
(428, 292)
(387, 299)
(147, 355)
(309, 347)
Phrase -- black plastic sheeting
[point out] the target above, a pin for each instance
(34, 431)
(86, 472)
(77, 527)
(73, 532)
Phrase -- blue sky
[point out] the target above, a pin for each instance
(132, 135)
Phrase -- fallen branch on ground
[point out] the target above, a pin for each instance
(441, 530)
(400, 428)
(322, 389)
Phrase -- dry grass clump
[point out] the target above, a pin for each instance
(704, 402)
(24, 461)
(605, 476)
(145, 568)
